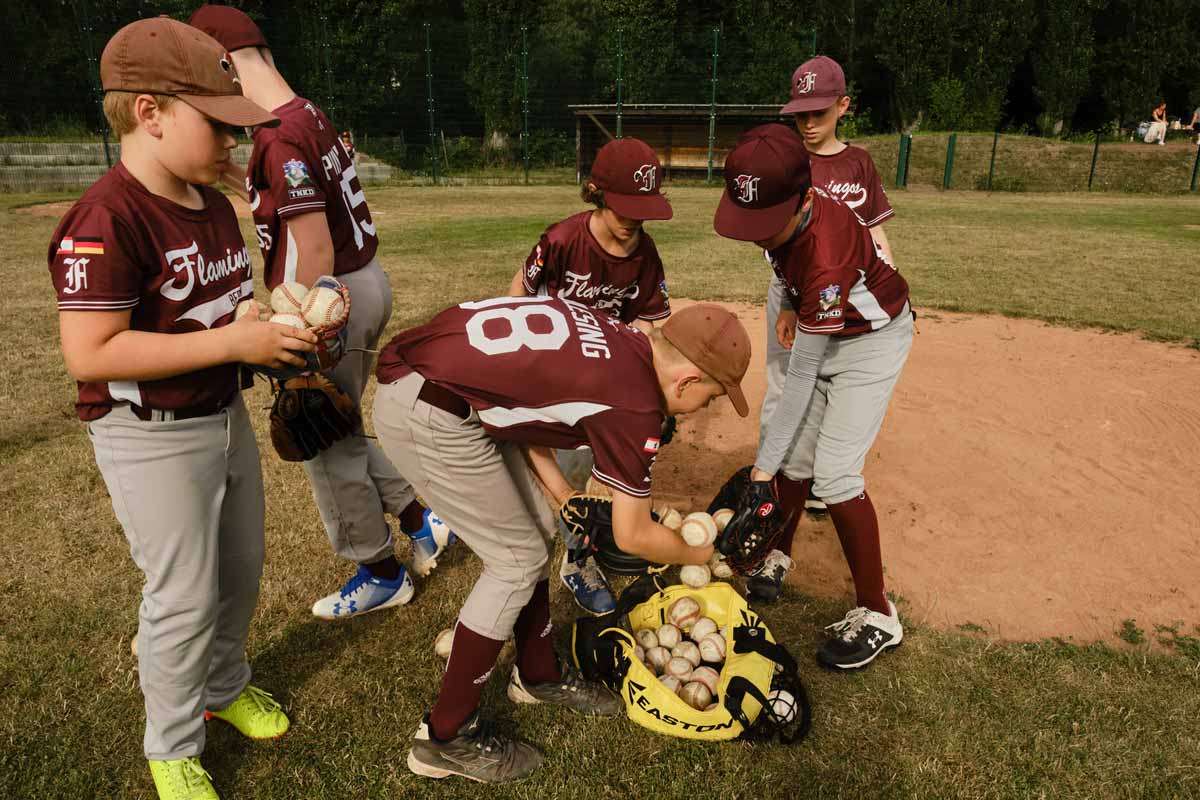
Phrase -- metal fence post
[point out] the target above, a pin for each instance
(948, 174)
(712, 104)
(620, 76)
(1095, 156)
(525, 99)
(330, 103)
(84, 21)
(429, 103)
(812, 43)
(992, 165)
(1196, 168)
(902, 161)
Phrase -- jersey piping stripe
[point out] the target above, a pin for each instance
(867, 304)
(299, 207)
(616, 484)
(880, 218)
(96, 305)
(566, 413)
(649, 317)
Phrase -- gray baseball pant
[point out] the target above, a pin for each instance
(848, 404)
(189, 496)
(483, 489)
(353, 482)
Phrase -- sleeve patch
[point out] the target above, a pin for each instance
(295, 172)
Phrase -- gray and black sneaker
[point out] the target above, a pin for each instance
(767, 581)
(479, 752)
(815, 507)
(860, 636)
(572, 691)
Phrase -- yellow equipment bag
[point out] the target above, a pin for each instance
(757, 672)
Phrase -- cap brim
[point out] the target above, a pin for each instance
(738, 398)
(752, 224)
(639, 206)
(808, 104)
(231, 109)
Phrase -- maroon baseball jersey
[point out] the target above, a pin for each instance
(177, 270)
(298, 168)
(837, 279)
(851, 177)
(545, 371)
(568, 262)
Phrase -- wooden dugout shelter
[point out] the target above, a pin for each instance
(679, 132)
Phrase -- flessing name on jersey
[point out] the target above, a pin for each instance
(592, 342)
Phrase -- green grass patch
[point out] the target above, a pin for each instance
(952, 714)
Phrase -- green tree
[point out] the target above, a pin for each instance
(913, 41)
(492, 78)
(1138, 43)
(648, 44)
(1062, 55)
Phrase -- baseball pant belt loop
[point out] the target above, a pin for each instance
(178, 414)
(443, 398)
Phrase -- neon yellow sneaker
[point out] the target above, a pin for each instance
(182, 779)
(255, 714)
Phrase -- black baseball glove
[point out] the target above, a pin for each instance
(309, 414)
(756, 526)
(589, 518)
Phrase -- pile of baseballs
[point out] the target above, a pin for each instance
(297, 306)
(686, 653)
(698, 529)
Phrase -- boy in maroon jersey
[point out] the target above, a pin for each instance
(604, 259)
(312, 219)
(149, 266)
(849, 310)
(461, 400)
(817, 101)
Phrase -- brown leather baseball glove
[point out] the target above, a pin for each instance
(309, 414)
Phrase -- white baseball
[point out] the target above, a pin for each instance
(290, 320)
(782, 705)
(703, 627)
(696, 695)
(657, 658)
(688, 651)
(698, 529)
(669, 517)
(647, 638)
(712, 648)
(639, 653)
(243, 308)
(444, 643)
(322, 305)
(696, 576)
(719, 567)
(669, 635)
(671, 682)
(288, 298)
(721, 517)
(708, 676)
(684, 612)
(679, 668)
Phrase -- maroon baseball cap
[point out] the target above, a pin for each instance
(160, 55)
(766, 176)
(628, 171)
(714, 339)
(229, 26)
(816, 84)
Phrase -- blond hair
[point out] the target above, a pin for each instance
(118, 109)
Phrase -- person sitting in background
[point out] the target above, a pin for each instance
(1157, 132)
(348, 143)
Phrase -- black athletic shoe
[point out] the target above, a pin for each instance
(767, 581)
(815, 507)
(478, 752)
(571, 691)
(860, 636)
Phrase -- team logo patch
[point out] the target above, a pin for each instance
(747, 188)
(831, 295)
(806, 83)
(296, 173)
(645, 177)
(651, 445)
(662, 287)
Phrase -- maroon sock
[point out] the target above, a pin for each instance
(412, 517)
(792, 495)
(858, 530)
(535, 643)
(471, 660)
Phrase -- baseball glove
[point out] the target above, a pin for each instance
(588, 518)
(309, 414)
(331, 338)
(757, 524)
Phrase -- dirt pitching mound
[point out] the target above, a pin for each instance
(1031, 480)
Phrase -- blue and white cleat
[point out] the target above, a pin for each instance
(429, 542)
(588, 586)
(363, 593)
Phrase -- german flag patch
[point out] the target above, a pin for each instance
(89, 245)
